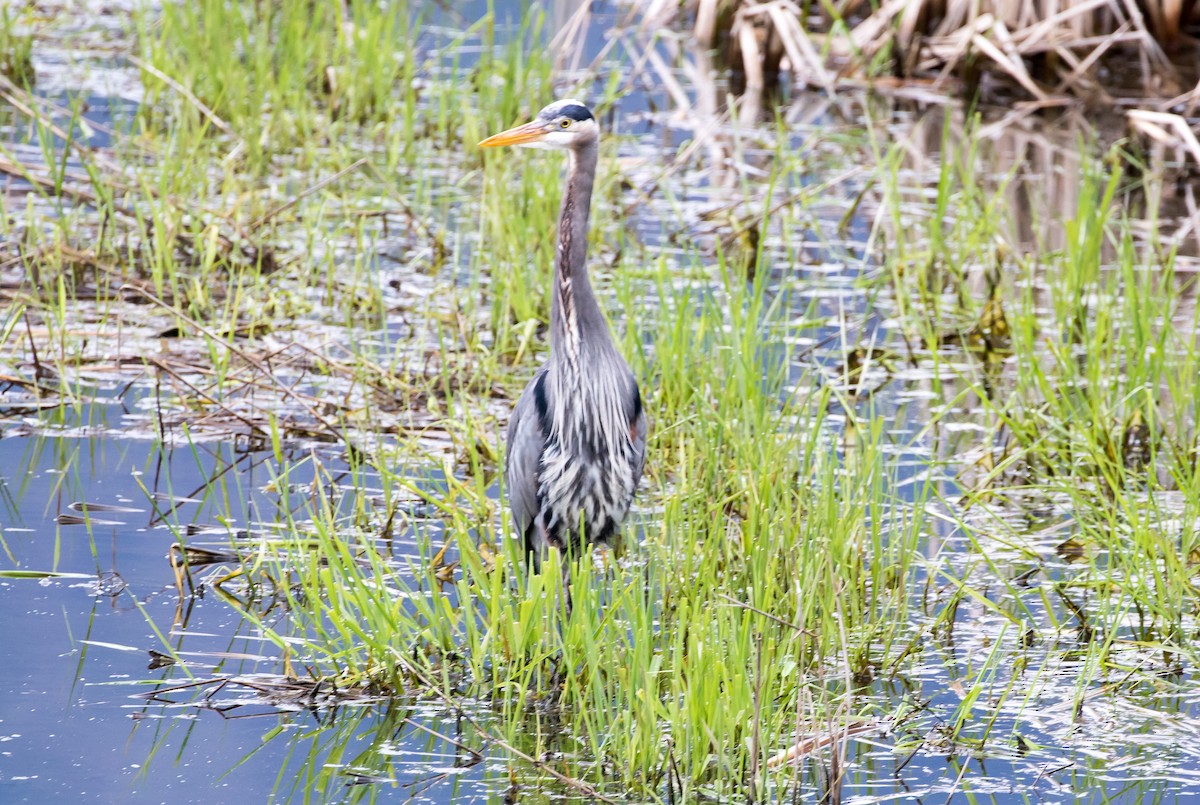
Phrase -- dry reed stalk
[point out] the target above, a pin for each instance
(1168, 129)
(750, 106)
(786, 17)
(568, 41)
(706, 21)
(804, 747)
(187, 94)
(872, 34)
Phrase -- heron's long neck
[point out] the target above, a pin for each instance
(576, 321)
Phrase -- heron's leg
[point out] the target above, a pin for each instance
(538, 541)
(547, 540)
(565, 569)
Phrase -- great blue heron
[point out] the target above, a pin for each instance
(577, 437)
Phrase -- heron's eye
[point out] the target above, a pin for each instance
(566, 123)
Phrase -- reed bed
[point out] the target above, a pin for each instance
(1100, 50)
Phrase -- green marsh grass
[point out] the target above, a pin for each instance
(771, 567)
(16, 48)
(1087, 406)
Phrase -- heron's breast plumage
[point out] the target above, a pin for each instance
(590, 465)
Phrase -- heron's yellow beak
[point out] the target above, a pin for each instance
(528, 133)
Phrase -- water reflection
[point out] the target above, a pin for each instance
(99, 642)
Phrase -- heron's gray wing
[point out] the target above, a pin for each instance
(526, 439)
(638, 426)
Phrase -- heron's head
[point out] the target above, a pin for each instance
(562, 126)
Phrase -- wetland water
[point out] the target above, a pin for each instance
(128, 679)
